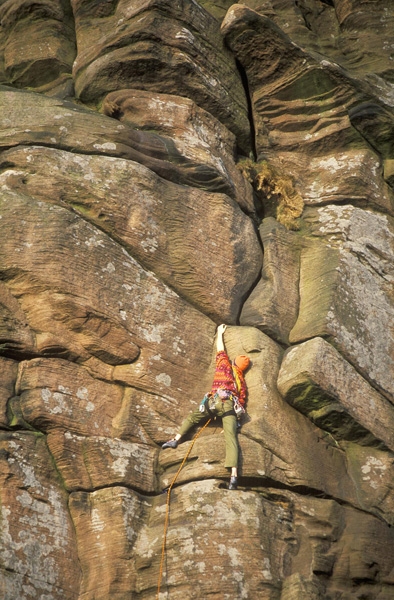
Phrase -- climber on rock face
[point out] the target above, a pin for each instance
(226, 399)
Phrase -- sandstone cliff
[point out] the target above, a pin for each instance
(166, 166)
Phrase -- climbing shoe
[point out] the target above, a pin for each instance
(233, 483)
(170, 444)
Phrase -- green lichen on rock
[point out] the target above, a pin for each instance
(277, 188)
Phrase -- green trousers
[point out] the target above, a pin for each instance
(229, 428)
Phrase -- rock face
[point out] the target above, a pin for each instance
(134, 219)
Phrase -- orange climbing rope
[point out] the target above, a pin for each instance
(163, 547)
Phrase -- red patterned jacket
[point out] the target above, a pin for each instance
(224, 377)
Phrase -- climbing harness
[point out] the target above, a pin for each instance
(166, 520)
(213, 404)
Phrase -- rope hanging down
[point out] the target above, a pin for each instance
(163, 547)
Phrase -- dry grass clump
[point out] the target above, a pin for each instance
(278, 188)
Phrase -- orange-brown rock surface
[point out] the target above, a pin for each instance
(166, 166)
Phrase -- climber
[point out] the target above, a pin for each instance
(226, 400)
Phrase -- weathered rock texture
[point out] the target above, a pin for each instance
(131, 226)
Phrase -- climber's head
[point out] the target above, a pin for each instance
(242, 362)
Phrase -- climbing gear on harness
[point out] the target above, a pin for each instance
(167, 517)
(233, 483)
(213, 403)
(208, 404)
(170, 444)
(238, 409)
